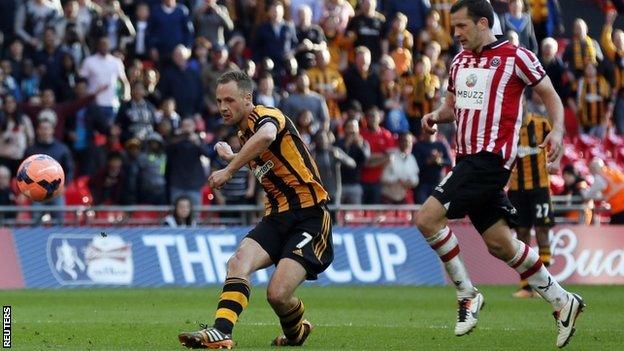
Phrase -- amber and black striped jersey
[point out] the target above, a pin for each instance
(530, 171)
(327, 80)
(444, 9)
(615, 56)
(422, 99)
(539, 10)
(593, 100)
(286, 170)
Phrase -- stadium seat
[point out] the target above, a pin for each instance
(206, 195)
(585, 142)
(596, 151)
(109, 218)
(581, 167)
(571, 123)
(570, 154)
(357, 217)
(613, 143)
(78, 193)
(619, 156)
(395, 217)
(144, 217)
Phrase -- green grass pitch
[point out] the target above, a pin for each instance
(346, 318)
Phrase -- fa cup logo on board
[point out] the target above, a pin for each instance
(471, 80)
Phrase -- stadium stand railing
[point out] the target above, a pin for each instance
(351, 215)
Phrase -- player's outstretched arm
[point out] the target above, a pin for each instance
(253, 148)
(443, 114)
(554, 107)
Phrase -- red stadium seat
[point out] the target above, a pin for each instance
(619, 156)
(581, 167)
(145, 217)
(571, 123)
(585, 142)
(395, 217)
(613, 143)
(570, 154)
(78, 193)
(109, 218)
(206, 195)
(596, 151)
(357, 217)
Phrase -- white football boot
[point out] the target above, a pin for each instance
(467, 314)
(566, 318)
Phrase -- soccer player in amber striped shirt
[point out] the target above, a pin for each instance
(295, 234)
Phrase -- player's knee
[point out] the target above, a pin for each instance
(524, 235)
(277, 296)
(236, 266)
(426, 223)
(500, 250)
(496, 249)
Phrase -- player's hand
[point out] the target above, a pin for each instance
(429, 121)
(224, 150)
(220, 177)
(554, 144)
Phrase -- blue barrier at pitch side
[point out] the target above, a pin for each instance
(65, 257)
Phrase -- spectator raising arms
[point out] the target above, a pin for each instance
(212, 21)
(185, 170)
(582, 51)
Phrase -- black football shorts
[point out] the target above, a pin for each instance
(534, 207)
(475, 187)
(304, 235)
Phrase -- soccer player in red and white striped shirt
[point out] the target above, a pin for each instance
(486, 82)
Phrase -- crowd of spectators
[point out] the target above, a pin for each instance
(122, 92)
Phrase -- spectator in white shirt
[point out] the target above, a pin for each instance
(401, 173)
(104, 69)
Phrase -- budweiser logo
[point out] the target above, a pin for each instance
(604, 264)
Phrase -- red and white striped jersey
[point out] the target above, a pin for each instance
(488, 93)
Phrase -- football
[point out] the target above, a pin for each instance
(40, 178)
